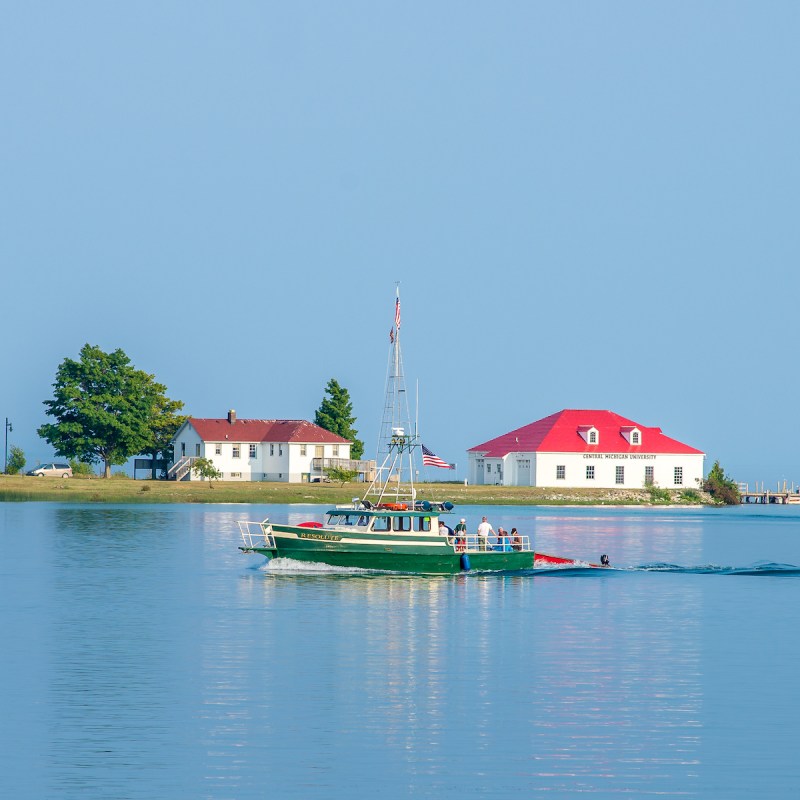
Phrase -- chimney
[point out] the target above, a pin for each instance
(231, 416)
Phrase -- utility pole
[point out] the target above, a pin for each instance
(8, 428)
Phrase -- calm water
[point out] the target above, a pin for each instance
(145, 657)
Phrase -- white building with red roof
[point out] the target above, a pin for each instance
(584, 448)
(291, 450)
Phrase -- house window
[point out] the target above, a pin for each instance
(620, 475)
(237, 449)
(590, 472)
(648, 476)
(236, 474)
(592, 437)
(183, 448)
(561, 472)
(272, 449)
(319, 450)
(336, 450)
(679, 476)
(635, 437)
(253, 451)
(488, 467)
(197, 449)
(280, 449)
(218, 449)
(303, 449)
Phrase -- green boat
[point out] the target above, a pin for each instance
(390, 529)
(397, 537)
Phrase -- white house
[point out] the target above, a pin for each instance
(576, 448)
(291, 450)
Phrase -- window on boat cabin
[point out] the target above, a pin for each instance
(620, 475)
(237, 451)
(382, 524)
(253, 451)
(303, 449)
(336, 450)
(561, 472)
(679, 476)
(402, 523)
(423, 523)
(197, 449)
(592, 437)
(590, 472)
(218, 449)
(648, 476)
(354, 519)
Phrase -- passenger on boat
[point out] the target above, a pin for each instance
(604, 562)
(503, 542)
(460, 532)
(444, 530)
(484, 530)
(516, 539)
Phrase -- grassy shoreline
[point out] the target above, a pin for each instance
(16, 488)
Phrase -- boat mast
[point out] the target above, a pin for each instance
(398, 441)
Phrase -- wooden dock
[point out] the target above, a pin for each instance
(781, 495)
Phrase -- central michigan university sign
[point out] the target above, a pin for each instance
(638, 456)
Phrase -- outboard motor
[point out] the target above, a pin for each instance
(604, 562)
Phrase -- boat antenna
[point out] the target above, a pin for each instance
(397, 442)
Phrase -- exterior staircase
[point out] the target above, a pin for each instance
(180, 470)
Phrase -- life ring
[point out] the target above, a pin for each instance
(310, 525)
(396, 506)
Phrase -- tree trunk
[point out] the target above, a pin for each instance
(107, 470)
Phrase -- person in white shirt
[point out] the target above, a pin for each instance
(484, 531)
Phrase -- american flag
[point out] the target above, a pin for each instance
(397, 313)
(429, 459)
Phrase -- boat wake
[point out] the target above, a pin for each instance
(291, 566)
(768, 568)
(288, 566)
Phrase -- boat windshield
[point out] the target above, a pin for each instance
(359, 520)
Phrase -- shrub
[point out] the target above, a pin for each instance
(81, 467)
(16, 461)
(691, 496)
(721, 487)
(658, 495)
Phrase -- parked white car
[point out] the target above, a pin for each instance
(52, 469)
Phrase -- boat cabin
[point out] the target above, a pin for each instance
(383, 520)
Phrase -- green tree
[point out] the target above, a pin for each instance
(204, 468)
(164, 424)
(335, 414)
(722, 488)
(103, 408)
(341, 474)
(16, 461)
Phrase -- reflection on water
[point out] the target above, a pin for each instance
(155, 660)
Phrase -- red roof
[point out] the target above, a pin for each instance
(559, 433)
(263, 430)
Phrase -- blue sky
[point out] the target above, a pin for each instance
(588, 205)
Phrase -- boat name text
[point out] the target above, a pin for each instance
(325, 537)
